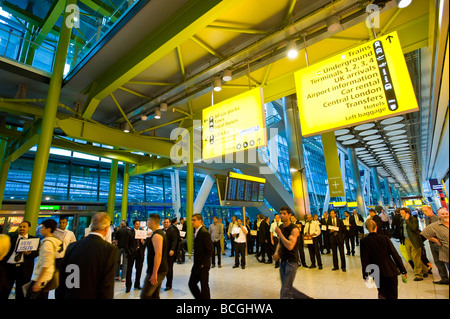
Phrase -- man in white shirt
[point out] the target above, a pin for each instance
(313, 228)
(230, 228)
(273, 235)
(239, 232)
(67, 237)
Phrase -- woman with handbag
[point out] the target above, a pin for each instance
(45, 278)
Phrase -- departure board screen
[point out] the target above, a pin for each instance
(240, 190)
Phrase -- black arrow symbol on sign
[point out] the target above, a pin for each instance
(389, 38)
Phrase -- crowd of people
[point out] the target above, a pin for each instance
(105, 255)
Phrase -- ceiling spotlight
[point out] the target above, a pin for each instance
(292, 51)
(217, 84)
(144, 117)
(157, 114)
(227, 76)
(163, 107)
(126, 127)
(333, 23)
(403, 3)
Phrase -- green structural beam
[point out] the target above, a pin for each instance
(50, 20)
(25, 109)
(102, 134)
(112, 189)
(62, 143)
(101, 8)
(152, 166)
(126, 179)
(194, 16)
(24, 142)
(4, 169)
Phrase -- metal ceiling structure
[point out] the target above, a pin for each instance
(150, 53)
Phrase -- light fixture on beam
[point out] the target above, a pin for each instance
(403, 3)
(292, 51)
(126, 127)
(157, 114)
(163, 107)
(227, 75)
(144, 117)
(217, 84)
(333, 23)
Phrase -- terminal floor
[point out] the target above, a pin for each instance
(262, 281)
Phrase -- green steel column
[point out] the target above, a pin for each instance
(126, 179)
(112, 189)
(48, 123)
(190, 195)
(4, 169)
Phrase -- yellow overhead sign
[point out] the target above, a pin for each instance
(367, 83)
(247, 177)
(234, 125)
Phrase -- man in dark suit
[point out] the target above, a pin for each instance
(264, 241)
(349, 235)
(377, 219)
(19, 266)
(354, 219)
(203, 250)
(325, 234)
(95, 261)
(337, 240)
(135, 249)
(173, 238)
(378, 250)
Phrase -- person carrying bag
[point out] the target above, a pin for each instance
(45, 276)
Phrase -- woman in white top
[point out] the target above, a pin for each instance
(45, 266)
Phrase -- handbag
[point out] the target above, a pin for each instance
(53, 283)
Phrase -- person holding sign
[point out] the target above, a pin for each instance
(239, 233)
(20, 263)
(356, 225)
(312, 228)
(45, 269)
(337, 229)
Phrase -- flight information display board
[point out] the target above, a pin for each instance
(367, 83)
(240, 190)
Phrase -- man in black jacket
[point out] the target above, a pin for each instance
(378, 251)
(356, 219)
(173, 238)
(203, 250)
(135, 249)
(89, 264)
(377, 219)
(337, 240)
(19, 266)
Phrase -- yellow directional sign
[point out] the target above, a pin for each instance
(367, 83)
(234, 125)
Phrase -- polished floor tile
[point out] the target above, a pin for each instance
(262, 281)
